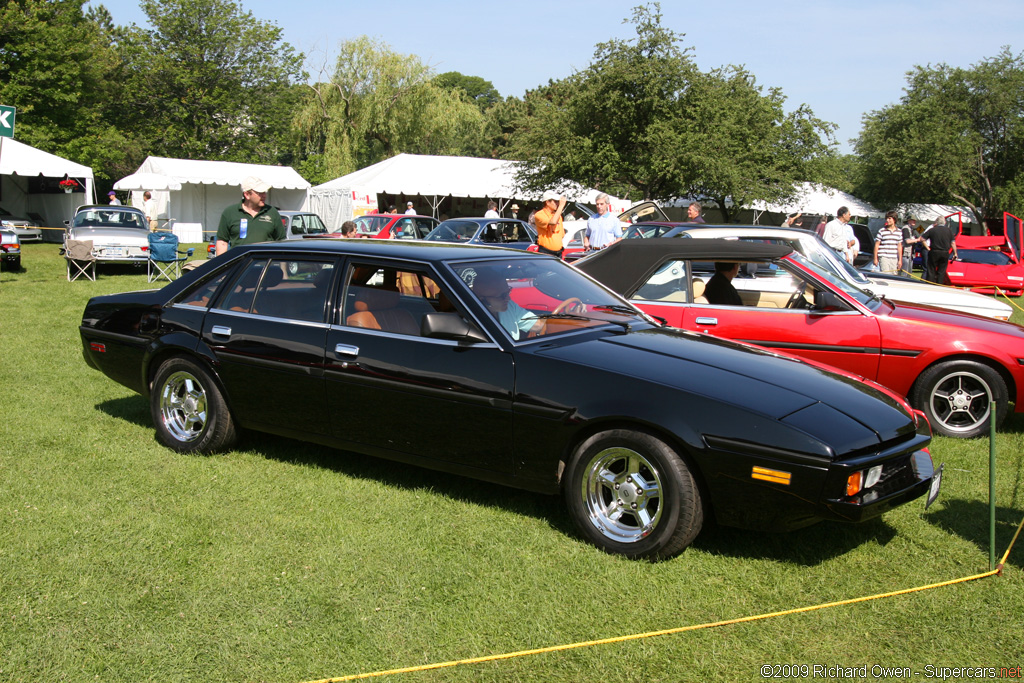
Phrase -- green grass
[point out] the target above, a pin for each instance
(282, 561)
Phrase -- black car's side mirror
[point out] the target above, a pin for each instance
(827, 301)
(449, 326)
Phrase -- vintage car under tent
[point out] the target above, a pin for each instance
(453, 186)
(30, 186)
(192, 194)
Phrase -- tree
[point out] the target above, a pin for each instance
(209, 81)
(378, 103)
(955, 137)
(54, 67)
(477, 89)
(643, 120)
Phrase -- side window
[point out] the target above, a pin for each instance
(202, 295)
(669, 283)
(298, 225)
(279, 288)
(392, 299)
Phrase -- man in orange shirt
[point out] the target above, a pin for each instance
(549, 224)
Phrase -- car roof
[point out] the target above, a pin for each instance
(404, 249)
(106, 207)
(482, 219)
(628, 263)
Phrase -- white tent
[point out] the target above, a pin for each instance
(194, 193)
(430, 178)
(812, 198)
(28, 185)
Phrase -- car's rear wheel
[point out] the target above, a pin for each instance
(629, 493)
(956, 396)
(188, 410)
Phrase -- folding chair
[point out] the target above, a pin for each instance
(80, 259)
(164, 259)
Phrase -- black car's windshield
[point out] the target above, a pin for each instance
(543, 297)
(110, 218)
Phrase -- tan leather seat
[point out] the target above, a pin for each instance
(698, 291)
(377, 309)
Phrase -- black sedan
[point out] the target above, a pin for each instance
(502, 232)
(510, 367)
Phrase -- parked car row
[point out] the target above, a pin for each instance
(515, 368)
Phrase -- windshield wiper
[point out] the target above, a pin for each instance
(617, 308)
(575, 316)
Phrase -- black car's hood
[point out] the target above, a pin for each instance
(835, 408)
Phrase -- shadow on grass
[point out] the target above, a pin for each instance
(969, 519)
(807, 547)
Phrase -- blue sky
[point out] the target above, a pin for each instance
(840, 57)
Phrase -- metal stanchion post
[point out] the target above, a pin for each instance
(992, 486)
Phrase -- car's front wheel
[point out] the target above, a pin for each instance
(956, 396)
(629, 493)
(188, 410)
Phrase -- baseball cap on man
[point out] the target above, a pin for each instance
(111, 194)
(551, 195)
(255, 184)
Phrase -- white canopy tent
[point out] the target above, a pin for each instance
(29, 180)
(431, 178)
(812, 198)
(194, 193)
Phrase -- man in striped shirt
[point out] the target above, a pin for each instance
(889, 246)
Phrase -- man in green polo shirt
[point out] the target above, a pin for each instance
(251, 220)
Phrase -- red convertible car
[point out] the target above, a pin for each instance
(989, 264)
(950, 365)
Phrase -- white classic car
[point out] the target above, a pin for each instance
(892, 287)
(119, 234)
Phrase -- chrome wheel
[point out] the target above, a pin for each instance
(960, 401)
(183, 410)
(621, 492)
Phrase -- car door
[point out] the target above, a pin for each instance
(267, 330)
(846, 338)
(390, 388)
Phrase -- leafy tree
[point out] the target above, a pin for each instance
(956, 137)
(378, 103)
(208, 81)
(480, 91)
(54, 67)
(643, 120)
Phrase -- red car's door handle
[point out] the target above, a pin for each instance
(707, 321)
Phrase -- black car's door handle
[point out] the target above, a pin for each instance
(346, 350)
(707, 321)
(221, 331)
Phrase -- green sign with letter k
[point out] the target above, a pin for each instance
(6, 122)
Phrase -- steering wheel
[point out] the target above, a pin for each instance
(797, 300)
(571, 303)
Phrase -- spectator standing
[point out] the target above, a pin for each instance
(409, 210)
(602, 230)
(835, 232)
(492, 210)
(693, 213)
(548, 221)
(888, 253)
(852, 245)
(939, 242)
(149, 208)
(251, 220)
(910, 238)
(515, 211)
(114, 201)
(792, 220)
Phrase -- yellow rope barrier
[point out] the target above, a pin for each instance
(671, 631)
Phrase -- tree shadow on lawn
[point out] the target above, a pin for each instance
(807, 547)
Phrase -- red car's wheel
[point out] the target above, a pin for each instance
(957, 395)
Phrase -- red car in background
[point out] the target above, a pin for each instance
(949, 365)
(393, 226)
(989, 263)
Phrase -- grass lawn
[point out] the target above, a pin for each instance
(282, 561)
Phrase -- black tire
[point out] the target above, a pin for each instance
(630, 494)
(956, 396)
(188, 410)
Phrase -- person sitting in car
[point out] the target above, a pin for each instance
(496, 295)
(719, 289)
